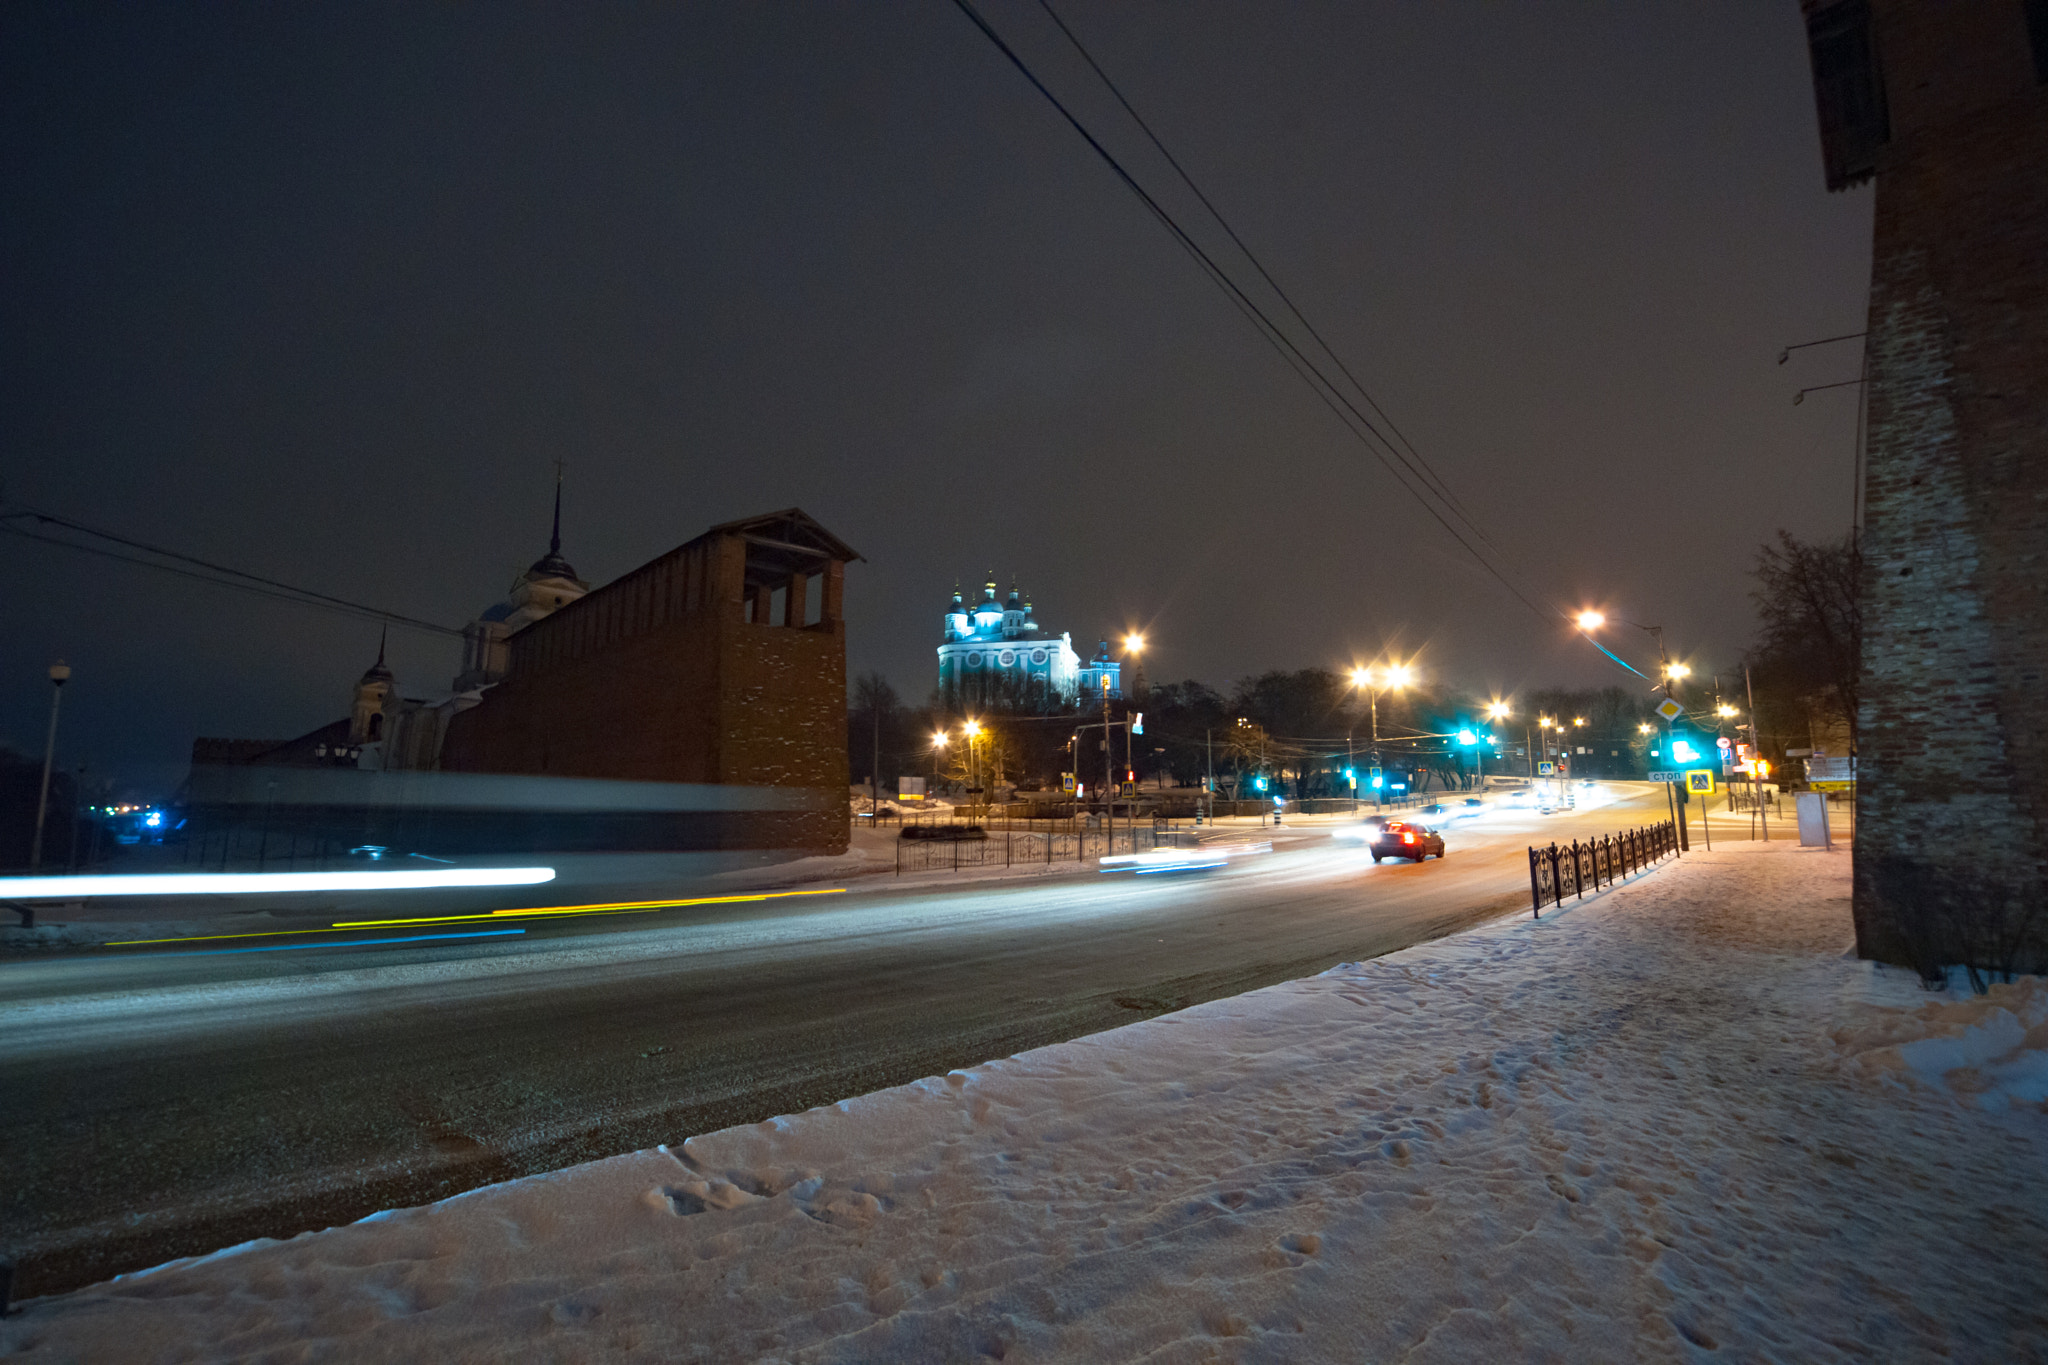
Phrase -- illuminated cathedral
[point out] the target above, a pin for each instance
(996, 655)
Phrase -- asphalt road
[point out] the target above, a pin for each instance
(160, 1104)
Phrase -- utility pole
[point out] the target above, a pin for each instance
(1209, 744)
(875, 777)
(60, 673)
(1108, 766)
(1756, 750)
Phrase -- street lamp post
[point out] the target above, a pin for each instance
(1134, 644)
(60, 673)
(1373, 682)
(972, 729)
(1590, 621)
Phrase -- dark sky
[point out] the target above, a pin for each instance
(323, 291)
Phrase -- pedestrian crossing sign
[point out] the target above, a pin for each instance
(1699, 781)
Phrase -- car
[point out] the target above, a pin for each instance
(1400, 839)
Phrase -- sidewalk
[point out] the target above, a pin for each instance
(1671, 1122)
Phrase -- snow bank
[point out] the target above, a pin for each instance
(1991, 1050)
(1625, 1132)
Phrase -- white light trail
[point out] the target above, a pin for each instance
(274, 883)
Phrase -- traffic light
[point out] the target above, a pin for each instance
(1138, 725)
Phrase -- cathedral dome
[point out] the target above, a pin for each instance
(552, 565)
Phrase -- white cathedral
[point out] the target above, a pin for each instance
(996, 655)
(391, 731)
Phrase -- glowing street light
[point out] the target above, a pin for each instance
(1590, 620)
(1372, 682)
(1676, 671)
(1497, 710)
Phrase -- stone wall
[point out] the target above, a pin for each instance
(1952, 854)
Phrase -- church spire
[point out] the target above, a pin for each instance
(552, 565)
(555, 539)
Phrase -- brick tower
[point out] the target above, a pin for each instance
(1945, 104)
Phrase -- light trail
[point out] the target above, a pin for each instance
(611, 908)
(345, 943)
(608, 908)
(247, 883)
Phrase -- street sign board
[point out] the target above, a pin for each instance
(1546, 768)
(1669, 709)
(910, 789)
(1700, 781)
(1664, 777)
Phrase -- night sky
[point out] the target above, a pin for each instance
(324, 291)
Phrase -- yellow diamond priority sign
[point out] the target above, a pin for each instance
(1669, 709)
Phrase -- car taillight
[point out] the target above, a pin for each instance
(1407, 838)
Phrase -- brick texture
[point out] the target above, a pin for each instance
(1954, 724)
(661, 677)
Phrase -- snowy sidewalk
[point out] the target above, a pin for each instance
(1674, 1122)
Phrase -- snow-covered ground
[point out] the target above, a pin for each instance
(1674, 1122)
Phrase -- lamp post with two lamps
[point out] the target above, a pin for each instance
(1374, 680)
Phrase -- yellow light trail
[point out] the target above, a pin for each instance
(609, 908)
(613, 908)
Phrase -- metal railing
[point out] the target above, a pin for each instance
(1573, 869)
(1005, 848)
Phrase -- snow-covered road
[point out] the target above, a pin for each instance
(1649, 1127)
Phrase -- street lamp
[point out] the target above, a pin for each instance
(972, 729)
(60, 673)
(1134, 645)
(1372, 682)
(938, 743)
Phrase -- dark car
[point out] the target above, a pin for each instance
(1399, 839)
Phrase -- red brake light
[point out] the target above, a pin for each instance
(1407, 838)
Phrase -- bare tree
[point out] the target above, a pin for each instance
(1809, 643)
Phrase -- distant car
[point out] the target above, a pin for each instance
(1399, 839)
(1473, 801)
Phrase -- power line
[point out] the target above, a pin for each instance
(1325, 389)
(1436, 481)
(220, 575)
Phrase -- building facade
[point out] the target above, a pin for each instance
(1944, 103)
(997, 656)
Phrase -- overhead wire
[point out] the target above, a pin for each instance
(1435, 480)
(1389, 456)
(1362, 427)
(220, 575)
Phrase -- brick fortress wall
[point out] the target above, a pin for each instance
(1954, 723)
(662, 677)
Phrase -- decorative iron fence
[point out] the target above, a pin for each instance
(1578, 867)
